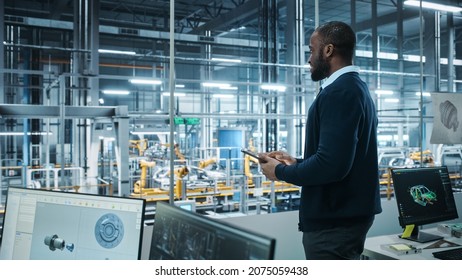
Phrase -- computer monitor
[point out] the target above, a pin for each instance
(424, 196)
(180, 234)
(189, 205)
(55, 225)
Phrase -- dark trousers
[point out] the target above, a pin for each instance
(338, 243)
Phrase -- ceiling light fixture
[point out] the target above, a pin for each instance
(226, 60)
(153, 131)
(218, 85)
(107, 138)
(237, 29)
(178, 94)
(279, 88)
(145, 82)
(391, 100)
(434, 6)
(114, 91)
(423, 93)
(117, 52)
(223, 96)
(383, 92)
(229, 88)
(17, 133)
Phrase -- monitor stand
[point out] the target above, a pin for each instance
(421, 237)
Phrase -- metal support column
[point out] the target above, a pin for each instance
(121, 123)
(451, 51)
(62, 113)
(296, 56)
(429, 48)
(431, 77)
(206, 100)
(85, 68)
(268, 22)
(93, 67)
(92, 97)
(375, 42)
(2, 86)
(171, 100)
(399, 44)
(2, 52)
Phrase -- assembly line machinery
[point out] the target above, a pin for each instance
(447, 155)
(211, 186)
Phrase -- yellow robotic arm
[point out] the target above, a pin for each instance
(426, 156)
(180, 173)
(206, 162)
(144, 165)
(178, 153)
(141, 145)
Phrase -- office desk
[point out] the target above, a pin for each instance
(373, 249)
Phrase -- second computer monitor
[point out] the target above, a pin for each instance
(423, 196)
(179, 234)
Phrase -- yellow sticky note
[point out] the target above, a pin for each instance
(407, 231)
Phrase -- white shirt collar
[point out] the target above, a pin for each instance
(338, 73)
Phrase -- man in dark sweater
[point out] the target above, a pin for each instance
(339, 171)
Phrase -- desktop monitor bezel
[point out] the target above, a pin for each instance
(208, 224)
(77, 195)
(414, 222)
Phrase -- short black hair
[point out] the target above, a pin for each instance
(341, 35)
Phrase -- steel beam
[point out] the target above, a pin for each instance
(385, 19)
(72, 112)
(248, 10)
(142, 33)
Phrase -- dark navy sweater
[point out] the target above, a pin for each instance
(339, 171)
